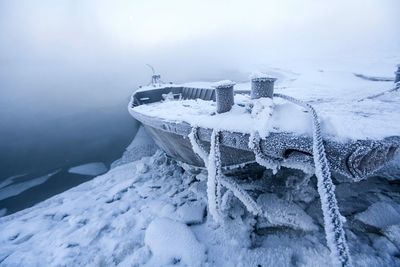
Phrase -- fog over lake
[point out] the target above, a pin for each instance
(68, 67)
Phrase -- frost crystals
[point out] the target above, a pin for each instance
(216, 179)
(333, 220)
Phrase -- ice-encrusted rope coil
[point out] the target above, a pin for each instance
(216, 179)
(333, 220)
(254, 144)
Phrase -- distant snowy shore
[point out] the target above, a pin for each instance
(152, 212)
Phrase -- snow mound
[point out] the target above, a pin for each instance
(283, 213)
(261, 112)
(379, 215)
(93, 168)
(192, 212)
(171, 241)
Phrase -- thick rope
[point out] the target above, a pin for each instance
(216, 178)
(254, 144)
(333, 220)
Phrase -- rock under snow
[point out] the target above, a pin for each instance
(171, 241)
(283, 213)
(379, 215)
(191, 212)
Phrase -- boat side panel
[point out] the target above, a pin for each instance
(179, 147)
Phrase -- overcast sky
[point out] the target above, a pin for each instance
(98, 48)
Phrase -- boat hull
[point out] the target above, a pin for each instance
(350, 161)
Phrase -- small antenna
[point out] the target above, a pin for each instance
(152, 69)
(155, 78)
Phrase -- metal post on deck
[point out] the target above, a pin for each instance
(262, 86)
(224, 96)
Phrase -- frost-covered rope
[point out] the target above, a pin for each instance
(215, 177)
(214, 174)
(333, 220)
(254, 144)
(395, 88)
(242, 195)
(195, 142)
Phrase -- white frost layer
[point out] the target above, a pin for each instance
(334, 94)
(171, 241)
(16, 189)
(202, 113)
(93, 168)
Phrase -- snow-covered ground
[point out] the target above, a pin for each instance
(152, 212)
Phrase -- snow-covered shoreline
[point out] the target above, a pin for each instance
(128, 217)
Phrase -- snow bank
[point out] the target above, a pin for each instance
(141, 146)
(171, 241)
(104, 222)
(93, 168)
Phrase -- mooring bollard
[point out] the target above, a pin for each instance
(397, 78)
(262, 87)
(224, 95)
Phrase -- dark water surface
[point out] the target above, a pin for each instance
(94, 135)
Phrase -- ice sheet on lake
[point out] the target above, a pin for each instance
(16, 189)
(10, 180)
(93, 168)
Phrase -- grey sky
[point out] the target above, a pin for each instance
(98, 49)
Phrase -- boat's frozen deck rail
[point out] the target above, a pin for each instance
(341, 121)
(286, 117)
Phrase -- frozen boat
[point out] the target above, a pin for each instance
(351, 131)
(358, 127)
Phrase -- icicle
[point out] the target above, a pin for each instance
(214, 174)
(333, 222)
